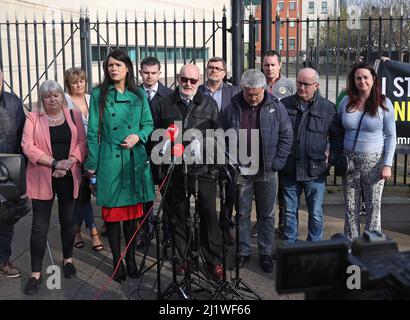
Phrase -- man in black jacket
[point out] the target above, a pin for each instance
(150, 71)
(254, 110)
(11, 109)
(222, 93)
(193, 110)
(317, 136)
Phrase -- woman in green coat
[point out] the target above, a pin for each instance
(120, 122)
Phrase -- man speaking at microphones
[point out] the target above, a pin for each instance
(193, 110)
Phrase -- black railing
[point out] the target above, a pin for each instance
(33, 51)
(44, 47)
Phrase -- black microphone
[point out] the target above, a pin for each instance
(5, 124)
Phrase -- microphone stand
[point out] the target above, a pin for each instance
(193, 251)
(157, 221)
(231, 289)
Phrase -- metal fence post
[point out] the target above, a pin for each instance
(237, 41)
(224, 37)
(252, 42)
(85, 45)
(266, 26)
(88, 52)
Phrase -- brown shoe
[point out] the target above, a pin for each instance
(95, 240)
(78, 240)
(9, 270)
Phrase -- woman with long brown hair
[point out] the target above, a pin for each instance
(370, 113)
(119, 125)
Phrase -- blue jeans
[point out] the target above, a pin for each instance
(265, 189)
(84, 211)
(6, 236)
(314, 192)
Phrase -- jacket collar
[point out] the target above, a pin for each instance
(120, 97)
(238, 100)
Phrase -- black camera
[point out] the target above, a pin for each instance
(370, 267)
(13, 203)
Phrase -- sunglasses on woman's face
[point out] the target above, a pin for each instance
(185, 80)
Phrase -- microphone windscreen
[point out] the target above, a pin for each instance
(178, 150)
(172, 132)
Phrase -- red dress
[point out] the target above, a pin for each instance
(122, 213)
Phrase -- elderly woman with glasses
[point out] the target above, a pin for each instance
(54, 143)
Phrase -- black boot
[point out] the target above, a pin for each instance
(114, 237)
(129, 228)
(120, 276)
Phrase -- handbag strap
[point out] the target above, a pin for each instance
(72, 115)
(357, 131)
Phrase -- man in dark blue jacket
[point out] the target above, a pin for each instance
(317, 137)
(255, 111)
(12, 109)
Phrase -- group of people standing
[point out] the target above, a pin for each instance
(107, 135)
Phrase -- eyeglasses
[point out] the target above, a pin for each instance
(305, 84)
(185, 80)
(217, 69)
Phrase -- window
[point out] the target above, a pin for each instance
(292, 44)
(281, 5)
(311, 7)
(292, 6)
(281, 44)
(291, 24)
(103, 52)
(324, 7)
(142, 52)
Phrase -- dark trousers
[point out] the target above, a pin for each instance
(63, 187)
(114, 237)
(226, 222)
(6, 236)
(148, 225)
(281, 213)
(209, 229)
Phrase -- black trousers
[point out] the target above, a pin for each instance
(63, 187)
(209, 229)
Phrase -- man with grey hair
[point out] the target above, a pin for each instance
(12, 112)
(316, 131)
(280, 87)
(255, 109)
